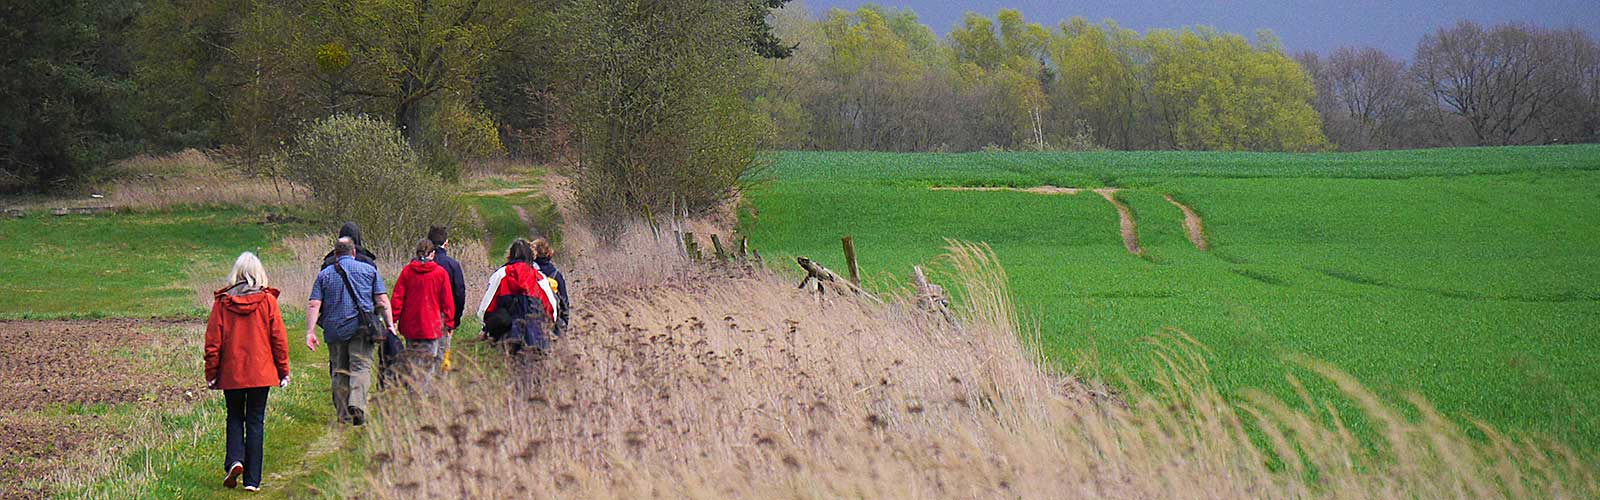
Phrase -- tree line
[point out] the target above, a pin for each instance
(656, 103)
(646, 98)
(878, 79)
(1466, 85)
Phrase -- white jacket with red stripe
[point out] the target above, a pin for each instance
(518, 278)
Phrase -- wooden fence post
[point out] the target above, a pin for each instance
(650, 218)
(691, 247)
(716, 245)
(850, 259)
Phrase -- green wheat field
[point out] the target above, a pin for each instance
(1470, 276)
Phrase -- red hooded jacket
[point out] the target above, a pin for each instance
(423, 306)
(246, 345)
(523, 279)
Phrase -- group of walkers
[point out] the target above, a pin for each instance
(247, 352)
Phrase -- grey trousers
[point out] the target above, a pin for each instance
(422, 360)
(350, 364)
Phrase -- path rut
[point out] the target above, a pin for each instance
(1192, 225)
(1130, 233)
(1034, 190)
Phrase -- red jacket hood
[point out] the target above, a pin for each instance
(523, 277)
(420, 267)
(246, 303)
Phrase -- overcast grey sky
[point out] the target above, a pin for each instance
(1321, 26)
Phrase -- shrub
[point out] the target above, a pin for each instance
(361, 169)
(452, 132)
(654, 97)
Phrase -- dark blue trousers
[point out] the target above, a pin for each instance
(247, 414)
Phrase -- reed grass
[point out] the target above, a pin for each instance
(685, 381)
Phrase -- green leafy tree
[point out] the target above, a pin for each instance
(421, 47)
(183, 49)
(974, 42)
(1098, 84)
(64, 86)
(1005, 68)
(654, 95)
(1214, 91)
(870, 65)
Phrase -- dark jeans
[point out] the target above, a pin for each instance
(389, 358)
(247, 412)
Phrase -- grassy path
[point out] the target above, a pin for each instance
(181, 457)
(147, 264)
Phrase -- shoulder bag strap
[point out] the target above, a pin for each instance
(349, 288)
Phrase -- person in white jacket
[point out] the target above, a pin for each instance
(517, 276)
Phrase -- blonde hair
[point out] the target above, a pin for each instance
(248, 269)
(542, 250)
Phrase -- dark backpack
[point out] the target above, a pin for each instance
(526, 327)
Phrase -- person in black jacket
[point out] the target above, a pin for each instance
(440, 236)
(389, 352)
(350, 230)
(542, 253)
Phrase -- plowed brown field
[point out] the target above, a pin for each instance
(49, 368)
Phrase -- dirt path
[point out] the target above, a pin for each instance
(504, 192)
(1130, 233)
(527, 221)
(297, 473)
(1034, 190)
(1192, 225)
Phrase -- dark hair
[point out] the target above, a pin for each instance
(520, 250)
(542, 250)
(438, 235)
(424, 247)
(344, 246)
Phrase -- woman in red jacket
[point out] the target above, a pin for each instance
(423, 308)
(247, 352)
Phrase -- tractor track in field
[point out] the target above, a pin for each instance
(1192, 225)
(1130, 229)
(1032, 190)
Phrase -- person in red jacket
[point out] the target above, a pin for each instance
(247, 352)
(520, 277)
(424, 309)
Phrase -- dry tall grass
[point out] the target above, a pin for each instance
(192, 177)
(679, 381)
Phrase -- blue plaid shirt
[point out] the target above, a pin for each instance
(338, 317)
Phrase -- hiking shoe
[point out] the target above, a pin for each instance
(232, 479)
(252, 489)
(357, 417)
